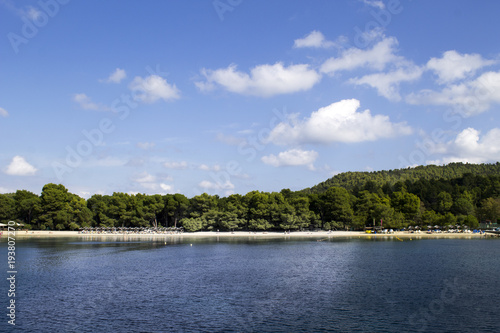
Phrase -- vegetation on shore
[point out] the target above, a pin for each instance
(429, 195)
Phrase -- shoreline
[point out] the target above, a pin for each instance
(241, 234)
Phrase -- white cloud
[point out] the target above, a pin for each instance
(292, 157)
(86, 103)
(381, 54)
(146, 145)
(116, 77)
(150, 182)
(3, 113)
(176, 165)
(337, 122)
(387, 84)
(469, 98)
(263, 81)
(454, 66)
(374, 3)
(153, 88)
(19, 167)
(145, 178)
(205, 167)
(167, 188)
(469, 146)
(314, 39)
(208, 185)
(6, 190)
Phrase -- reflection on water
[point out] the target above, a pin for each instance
(173, 284)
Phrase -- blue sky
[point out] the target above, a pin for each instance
(230, 96)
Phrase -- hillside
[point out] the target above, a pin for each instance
(351, 180)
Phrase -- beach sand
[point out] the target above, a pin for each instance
(260, 234)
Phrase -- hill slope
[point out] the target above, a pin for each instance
(350, 180)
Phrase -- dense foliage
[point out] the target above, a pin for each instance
(428, 200)
(353, 180)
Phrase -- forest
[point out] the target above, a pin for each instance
(463, 194)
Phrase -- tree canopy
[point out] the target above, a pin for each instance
(394, 199)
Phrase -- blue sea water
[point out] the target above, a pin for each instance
(254, 285)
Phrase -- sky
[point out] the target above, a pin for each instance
(231, 96)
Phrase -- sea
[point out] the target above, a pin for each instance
(284, 284)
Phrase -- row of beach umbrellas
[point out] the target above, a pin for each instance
(130, 229)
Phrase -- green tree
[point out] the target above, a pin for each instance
(55, 205)
(337, 205)
(153, 205)
(490, 209)
(233, 212)
(176, 206)
(447, 219)
(444, 202)
(406, 203)
(116, 210)
(80, 214)
(101, 207)
(464, 204)
(28, 206)
(258, 210)
(471, 221)
(7, 208)
(302, 215)
(192, 224)
(430, 217)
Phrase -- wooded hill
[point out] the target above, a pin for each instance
(356, 180)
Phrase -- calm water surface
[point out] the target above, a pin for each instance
(249, 285)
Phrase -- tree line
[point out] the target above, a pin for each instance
(465, 200)
(353, 180)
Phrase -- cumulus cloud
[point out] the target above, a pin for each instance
(469, 146)
(227, 186)
(167, 188)
(263, 80)
(454, 66)
(337, 122)
(469, 98)
(292, 157)
(86, 103)
(153, 88)
(314, 39)
(146, 145)
(3, 113)
(387, 84)
(6, 190)
(206, 167)
(377, 57)
(374, 3)
(150, 182)
(117, 76)
(176, 165)
(145, 178)
(19, 167)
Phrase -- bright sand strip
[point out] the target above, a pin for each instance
(241, 234)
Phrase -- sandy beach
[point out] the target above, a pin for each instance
(402, 235)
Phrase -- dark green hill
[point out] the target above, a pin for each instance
(352, 180)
